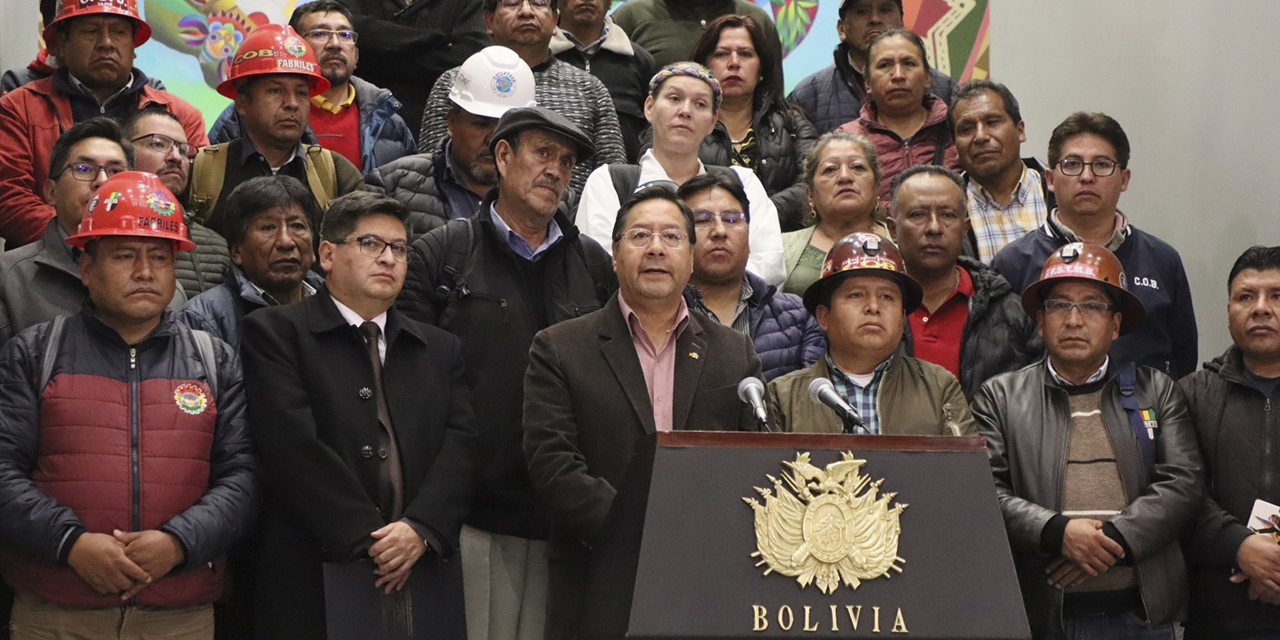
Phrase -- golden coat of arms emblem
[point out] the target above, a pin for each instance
(827, 525)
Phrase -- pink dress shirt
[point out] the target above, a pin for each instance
(659, 367)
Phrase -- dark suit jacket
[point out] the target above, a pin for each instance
(305, 367)
(586, 406)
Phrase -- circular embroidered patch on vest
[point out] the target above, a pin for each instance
(190, 398)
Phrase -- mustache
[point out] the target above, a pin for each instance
(334, 56)
(547, 182)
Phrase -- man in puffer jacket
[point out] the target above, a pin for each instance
(126, 470)
(971, 322)
(785, 336)
(1235, 401)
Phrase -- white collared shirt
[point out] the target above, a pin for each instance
(1093, 377)
(355, 320)
(599, 209)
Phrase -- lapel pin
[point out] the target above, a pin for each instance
(693, 354)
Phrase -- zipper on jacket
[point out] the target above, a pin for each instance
(134, 444)
(1268, 446)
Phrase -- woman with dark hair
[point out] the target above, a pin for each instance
(757, 128)
(907, 123)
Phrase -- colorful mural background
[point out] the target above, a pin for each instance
(193, 40)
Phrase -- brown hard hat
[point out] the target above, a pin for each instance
(1090, 263)
(863, 254)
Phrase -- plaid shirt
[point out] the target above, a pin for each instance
(862, 399)
(995, 226)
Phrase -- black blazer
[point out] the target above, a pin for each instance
(317, 434)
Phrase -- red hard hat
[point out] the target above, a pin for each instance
(1091, 263)
(863, 254)
(273, 48)
(68, 9)
(133, 203)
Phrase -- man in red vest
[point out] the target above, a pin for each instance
(126, 470)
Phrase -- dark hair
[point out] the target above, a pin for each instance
(264, 193)
(923, 169)
(48, 11)
(492, 6)
(660, 191)
(345, 212)
(1098, 124)
(911, 37)
(974, 89)
(768, 93)
(129, 123)
(319, 6)
(716, 179)
(844, 6)
(1257, 257)
(101, 127)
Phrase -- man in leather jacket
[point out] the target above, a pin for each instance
(1096, 466)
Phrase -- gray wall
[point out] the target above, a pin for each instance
(18, 44)
(1193, 84)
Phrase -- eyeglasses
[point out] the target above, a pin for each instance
(1102, 167)
(640, 238)
(322, 36)
(705, 219)
(515, 4)
(162, 144)
(1089, 308)
(86, 172)
(373, 246)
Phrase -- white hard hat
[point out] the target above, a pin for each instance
(492, 81)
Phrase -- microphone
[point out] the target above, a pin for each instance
(751, 391)
(823, 392)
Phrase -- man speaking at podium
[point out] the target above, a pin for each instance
(598, 384)
(861, 302)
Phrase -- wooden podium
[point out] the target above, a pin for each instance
(675, 558)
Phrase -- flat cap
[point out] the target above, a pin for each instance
(516, 120)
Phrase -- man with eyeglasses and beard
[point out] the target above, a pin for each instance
(598, 384)
(42, 280)
(159, 148)
(1095, 461)
(1088, 170)
(352, 117)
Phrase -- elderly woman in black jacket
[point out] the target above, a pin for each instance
(757, 128)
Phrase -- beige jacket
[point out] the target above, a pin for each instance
(916, 398)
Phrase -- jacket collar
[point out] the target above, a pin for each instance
(870, 115)
(54, 252)
(102, 330)
(250, 293)
(567, 227)
(615, 40)
(323, 317)
(1229, 366)
(370, 97)
(619, 353)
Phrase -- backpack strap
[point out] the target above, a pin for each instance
(625, 177)
(321, 174)
(207, 176)
(204, 346)
(458, 238)
(1127, 377)
(51, 343)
